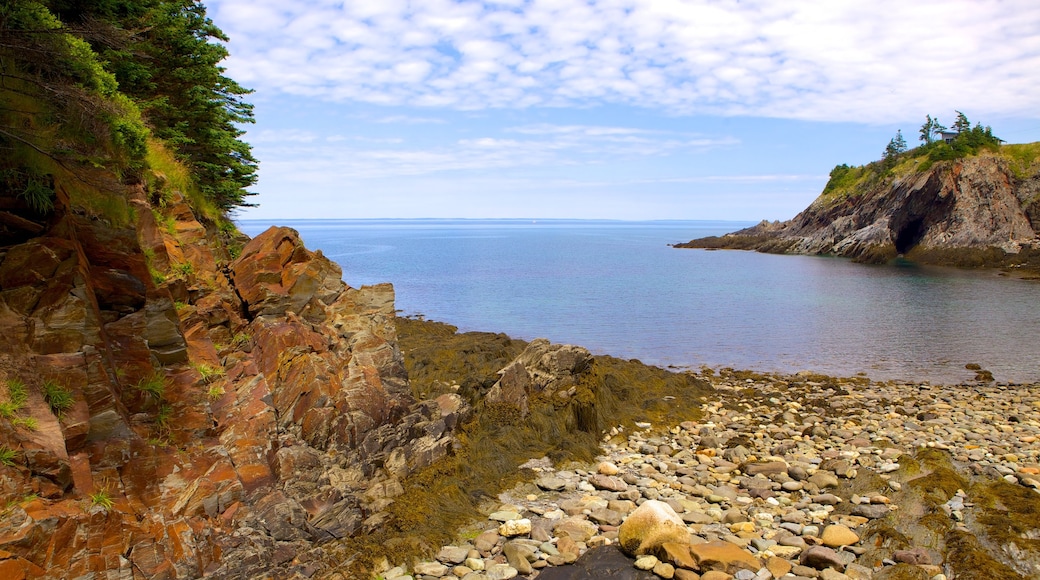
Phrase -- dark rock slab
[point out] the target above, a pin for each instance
(605, 562)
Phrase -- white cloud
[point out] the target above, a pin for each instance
(877, 60)
(304, 154)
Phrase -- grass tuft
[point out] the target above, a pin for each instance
(27, 423)
(7, 456)
(154, 386)
(102, 498)
(59, 398)
(207, 372)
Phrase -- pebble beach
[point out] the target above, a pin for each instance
(776, 478)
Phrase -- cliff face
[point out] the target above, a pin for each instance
(972, 212)
(221, 417)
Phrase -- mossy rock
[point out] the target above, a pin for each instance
(968, 559)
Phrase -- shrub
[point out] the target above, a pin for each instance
(184, 268)
(59, 398)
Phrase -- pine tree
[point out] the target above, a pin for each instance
(165, 55)
(961, 125)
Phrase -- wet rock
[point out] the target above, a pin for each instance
(605, 562)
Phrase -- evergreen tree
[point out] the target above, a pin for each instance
(961, 125)
(165, 55)
(895, 146)
(927, 129)
(61, 115)
(931, 128)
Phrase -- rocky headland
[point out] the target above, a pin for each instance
(978, 211)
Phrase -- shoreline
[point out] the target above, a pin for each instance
(1021, 265)
(780, 444)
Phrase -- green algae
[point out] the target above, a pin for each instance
(969, 560)
(445, 497)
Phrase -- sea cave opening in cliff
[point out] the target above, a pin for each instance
(909, 235)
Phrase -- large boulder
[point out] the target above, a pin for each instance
(649, 527)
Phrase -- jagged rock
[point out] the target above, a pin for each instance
(276, 274)
(295, 404)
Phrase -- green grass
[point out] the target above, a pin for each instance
(154, 386)
(215, 391)
(59, 398)
(240, 339)
(17, 391)
(18, 394)
(102, 498)
(162, 418)
(27, 423)
(7, 456)
(184, 268)
(206, 372)
(1023, 158)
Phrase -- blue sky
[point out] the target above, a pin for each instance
(616, 109)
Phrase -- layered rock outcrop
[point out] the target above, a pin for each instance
(971, 212)
(542, 370)
(172, 412)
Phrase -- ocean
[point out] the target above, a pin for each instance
(618, 288)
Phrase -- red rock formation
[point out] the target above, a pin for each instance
(227, 416)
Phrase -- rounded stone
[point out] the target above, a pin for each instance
(838, 535)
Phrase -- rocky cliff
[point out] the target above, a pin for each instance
(174, 404)
(977, 211)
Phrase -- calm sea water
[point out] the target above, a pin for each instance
(618, 288)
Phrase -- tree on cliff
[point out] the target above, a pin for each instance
(961, 124)
(61, 114)
(79, 82)
(931, 128)
(168, 62)
(895, 146)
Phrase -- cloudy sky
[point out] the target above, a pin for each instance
(621, 109)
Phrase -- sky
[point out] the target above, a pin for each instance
(607, 109)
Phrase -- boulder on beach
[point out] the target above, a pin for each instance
(652, 524)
